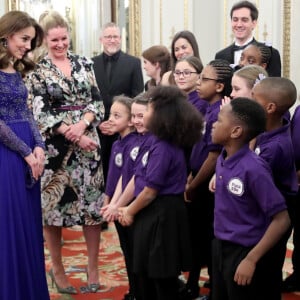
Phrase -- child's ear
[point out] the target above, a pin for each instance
(219, 87)
(236, 132)
(264, 65)
(271, 108)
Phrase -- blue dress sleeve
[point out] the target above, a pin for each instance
(12, 141)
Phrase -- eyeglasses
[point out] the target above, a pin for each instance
(207, 78)
(185, 73)
(110, 37)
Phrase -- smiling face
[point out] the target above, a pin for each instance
(242, 24)
(151, 69)
(19, 43)
(111, 40)
(137, 116)
(119, 118)
(182, 48)
(57, 41)
(148, 114)
(185, 76)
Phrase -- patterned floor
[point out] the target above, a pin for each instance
(111, 267)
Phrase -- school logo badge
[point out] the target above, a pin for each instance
(236, 186)
(204, 128)
(134, 153)
(257, 150)
(119, 160)
(145, 158)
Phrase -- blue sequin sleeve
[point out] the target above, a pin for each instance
(12, 141)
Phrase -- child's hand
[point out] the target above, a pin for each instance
(124, 218)
(225, 101)
(244, 272)
(212, 184)
(110, 213)
(190, 193)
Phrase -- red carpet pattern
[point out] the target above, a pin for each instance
(112, 271)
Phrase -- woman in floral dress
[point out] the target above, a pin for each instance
(67, 105)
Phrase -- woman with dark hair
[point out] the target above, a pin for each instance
(22, 158)
(184, 44)
(156, 62)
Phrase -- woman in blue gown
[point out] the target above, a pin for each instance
(22, 269)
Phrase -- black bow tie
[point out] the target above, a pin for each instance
(238, 48)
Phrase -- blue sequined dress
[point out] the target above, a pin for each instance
(22, 266)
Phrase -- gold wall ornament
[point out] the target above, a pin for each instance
(286, 38)
(12, 5)
(265, 33)
(135, 27)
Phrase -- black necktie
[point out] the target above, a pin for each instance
(108, 68)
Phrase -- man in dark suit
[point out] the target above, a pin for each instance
(244, 15)
(116, 73)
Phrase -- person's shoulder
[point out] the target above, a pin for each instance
(223, 51)
(97, 57)
(129, 57)
(165, 78)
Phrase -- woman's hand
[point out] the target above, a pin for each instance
(87, 144)
(75, 131)
(34, 165)
(39, 154)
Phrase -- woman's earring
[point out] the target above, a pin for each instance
(4, 42)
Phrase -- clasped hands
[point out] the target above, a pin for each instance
(36, 161)
(111, 212)
(75, 134)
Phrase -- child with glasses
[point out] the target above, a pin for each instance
(214, 83)
(186, 75)
(158, 214)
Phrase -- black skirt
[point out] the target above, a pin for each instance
(161, 240)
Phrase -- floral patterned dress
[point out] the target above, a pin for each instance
(72, 184)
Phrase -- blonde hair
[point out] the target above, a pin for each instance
(251, 74)
(52, 19)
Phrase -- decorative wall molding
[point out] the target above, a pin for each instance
(286, 37)
(134, 27)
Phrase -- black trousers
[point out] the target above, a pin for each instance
(157, 289)
(200, 217)
(266, 280)
(126, 240)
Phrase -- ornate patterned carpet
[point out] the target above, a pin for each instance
(111, 267)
